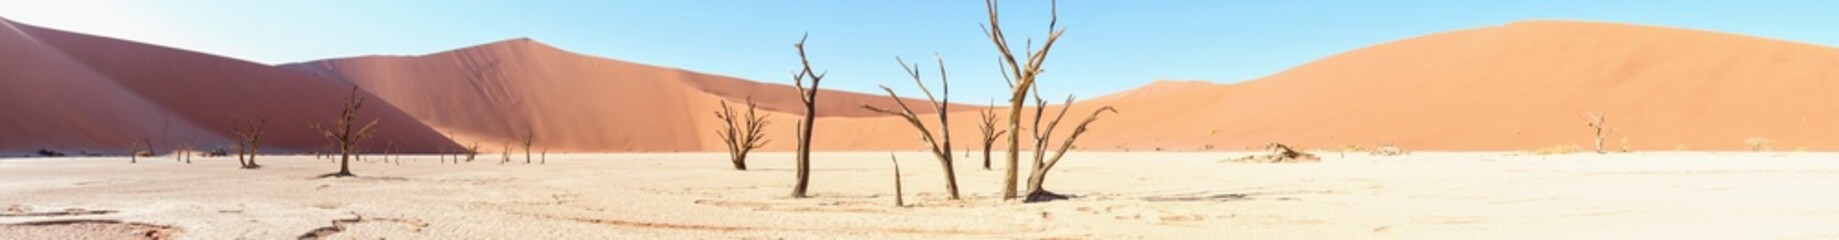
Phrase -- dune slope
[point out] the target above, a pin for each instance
(1514, 87)
(1519, 86)
(499, 93)
(80, 93)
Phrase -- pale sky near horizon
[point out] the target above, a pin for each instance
(1110, 45)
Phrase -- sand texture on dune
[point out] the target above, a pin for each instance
(1121, 196)
(1519, 86)
(505, 91)
(1514, 87)
(73, 92)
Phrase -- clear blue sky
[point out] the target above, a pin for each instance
(1111, 45)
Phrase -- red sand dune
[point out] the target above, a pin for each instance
(498, 93)
(1515, 87)
(80, 93)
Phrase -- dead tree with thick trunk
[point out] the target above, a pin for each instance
(808, 95)
(941, 146)
(1036, 179)
(990, 133)
(741, 133)
(1024, 73)
(248, 145)
(344, 136)
(1595, 122)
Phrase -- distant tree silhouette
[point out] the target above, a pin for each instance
(1595, 121)
(990, 133)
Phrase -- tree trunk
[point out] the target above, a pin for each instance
(1599, 141)
(1015, 141)
(254, 149)
(986, 155)
(804, 151)
(1035, 192)
(898, 196)
(951, 180)
(241, 159)
(740, 161)
(344, 162)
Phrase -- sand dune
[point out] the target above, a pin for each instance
(500, 92)
(74, 92)
(1514, 87)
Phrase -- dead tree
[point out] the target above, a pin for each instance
(471, 152)
(135, 151)
(1595, 121)
(1042, 135)
(545, 156)
(389, 151)
(344, 136)
(898, 196)
(529, 137)
(506, 151)
(444, 151)
(1039, 176)
(182, 153)
(808, 95)
(1024, 73)
(990, 133)
(941, 146)
(742, 134)
(1757, 144)
(248, 145)
(443, 154)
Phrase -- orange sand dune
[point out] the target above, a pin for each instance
(496, 94)
(1514, 87)
(80, 93)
